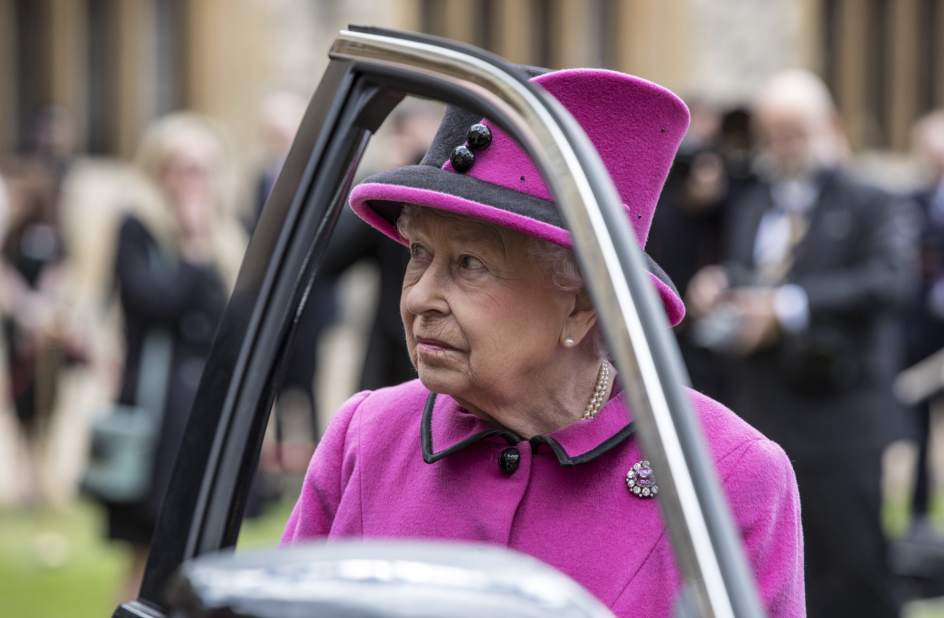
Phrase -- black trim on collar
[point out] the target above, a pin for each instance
(430, 456)
(426, 435)
(566, 460)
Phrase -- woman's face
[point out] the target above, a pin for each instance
(790, 136)
(482, 318)
(187, 181)
(186, 176)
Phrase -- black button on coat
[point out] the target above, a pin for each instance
(509, 460)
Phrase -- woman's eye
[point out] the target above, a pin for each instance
(468, 262)
(418, 251)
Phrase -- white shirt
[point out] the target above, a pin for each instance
(775, 241)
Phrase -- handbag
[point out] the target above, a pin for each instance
(124, 439)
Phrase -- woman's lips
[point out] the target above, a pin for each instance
(432, 346)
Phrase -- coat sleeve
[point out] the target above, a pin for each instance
(157, 294)
(762, 492)
(884, 274)
(327, 477)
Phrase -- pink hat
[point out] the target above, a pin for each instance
(475, 169)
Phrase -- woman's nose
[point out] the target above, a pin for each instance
(428, 292)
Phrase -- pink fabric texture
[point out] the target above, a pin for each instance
(368, 479)
(636, 127)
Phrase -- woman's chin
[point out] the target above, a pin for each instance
(438, 380)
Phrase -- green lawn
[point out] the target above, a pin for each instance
(55, 564)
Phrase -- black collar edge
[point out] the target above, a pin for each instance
(430, 456)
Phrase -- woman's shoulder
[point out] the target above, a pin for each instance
(386, 407)
(388, 400)
(729, 436)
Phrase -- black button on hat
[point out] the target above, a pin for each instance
(479, 136)
(462, 159)
(509, 460)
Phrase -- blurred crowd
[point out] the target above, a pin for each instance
(811, 294)
(811, 291)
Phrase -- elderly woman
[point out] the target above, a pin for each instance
(516, 432)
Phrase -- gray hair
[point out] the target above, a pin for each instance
(800, 89)
(559, 262)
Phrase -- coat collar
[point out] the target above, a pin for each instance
(447, 428)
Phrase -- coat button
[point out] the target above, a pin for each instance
(462, 159)
(509, 460)
(479, 136)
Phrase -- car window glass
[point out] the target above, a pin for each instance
(348, 338)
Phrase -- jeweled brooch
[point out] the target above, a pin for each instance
(641, 481)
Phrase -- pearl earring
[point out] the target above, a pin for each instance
(569, 342)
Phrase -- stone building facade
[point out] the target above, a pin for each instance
(117, 64)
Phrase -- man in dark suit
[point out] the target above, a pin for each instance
(816, 264)
(924, 317)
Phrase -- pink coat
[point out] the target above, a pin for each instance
(566, 502)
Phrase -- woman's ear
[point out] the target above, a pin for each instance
(580, 321)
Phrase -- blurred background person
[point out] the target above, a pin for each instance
(6, 277)
(4, 208)
(709, 172)
(924, 317)
(296, 419)
(38, 339)
(280, 115)
(413, 125)
(815, 266)
(175, 262)
(53, 145)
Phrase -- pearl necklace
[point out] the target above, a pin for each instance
(599, 393)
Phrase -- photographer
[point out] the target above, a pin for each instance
(815, 265)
